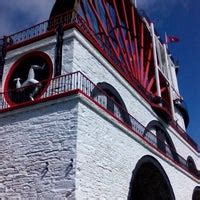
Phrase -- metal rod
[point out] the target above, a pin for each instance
(155, 61)
(170, 82)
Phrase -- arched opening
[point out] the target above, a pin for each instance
(150, 182)
(108, 96)
(181, 106)
(191, 165)
(196, 193)
(163, 139)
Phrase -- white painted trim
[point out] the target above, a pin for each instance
(155, 61)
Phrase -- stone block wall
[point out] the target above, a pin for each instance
(107, 156)
(37, 152)
(88, 60)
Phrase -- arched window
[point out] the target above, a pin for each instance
(149, 181)
(108, 96)
(196, 193)
(191, 165)
(161, 138)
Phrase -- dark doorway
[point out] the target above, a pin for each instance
(196, 194)
(150, 182)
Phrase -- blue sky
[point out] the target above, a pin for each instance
(181, 18)
(176, 17)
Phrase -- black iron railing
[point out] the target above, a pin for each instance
(185, 135)
(79, 82)
(41, 28)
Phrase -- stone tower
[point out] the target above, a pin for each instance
(90, 109)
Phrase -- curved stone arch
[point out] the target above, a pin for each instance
(150, 181)
(191, 165)
(114, 101)
(196, 193)
(163, 138)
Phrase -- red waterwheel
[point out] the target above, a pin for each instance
(122, 30)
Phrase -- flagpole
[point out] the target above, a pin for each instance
(166, 40)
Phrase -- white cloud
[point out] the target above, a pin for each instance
(18, 14)
(161, 5)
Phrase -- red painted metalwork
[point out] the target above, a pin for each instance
(17, 66)
(142, 53)
(85, 26)
(119, 24)
(149, 58)
(135, 41)
(123, 36)
(119, 21)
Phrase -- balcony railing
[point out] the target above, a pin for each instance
(41, 28)
(185, 135)
(66, 84)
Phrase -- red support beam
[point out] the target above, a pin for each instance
(133, 65)
(102, 26)
(86, 15)
(147, 67)
(151, 82)
(163, 89)
(142, 52)
(135, 40)
(127, 25)
(122, 33)
(116, 35)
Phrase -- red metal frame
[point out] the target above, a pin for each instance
(17, 64)
(146, 84)
(133, 40)
(129, 40)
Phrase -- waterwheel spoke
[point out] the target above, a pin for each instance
(151, 82)
(149, 58)
(103, 28)
(119, 20)
(116, 33)
(142, 52)
(135, 41)
(133, 63)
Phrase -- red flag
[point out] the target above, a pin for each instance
(171, 39)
